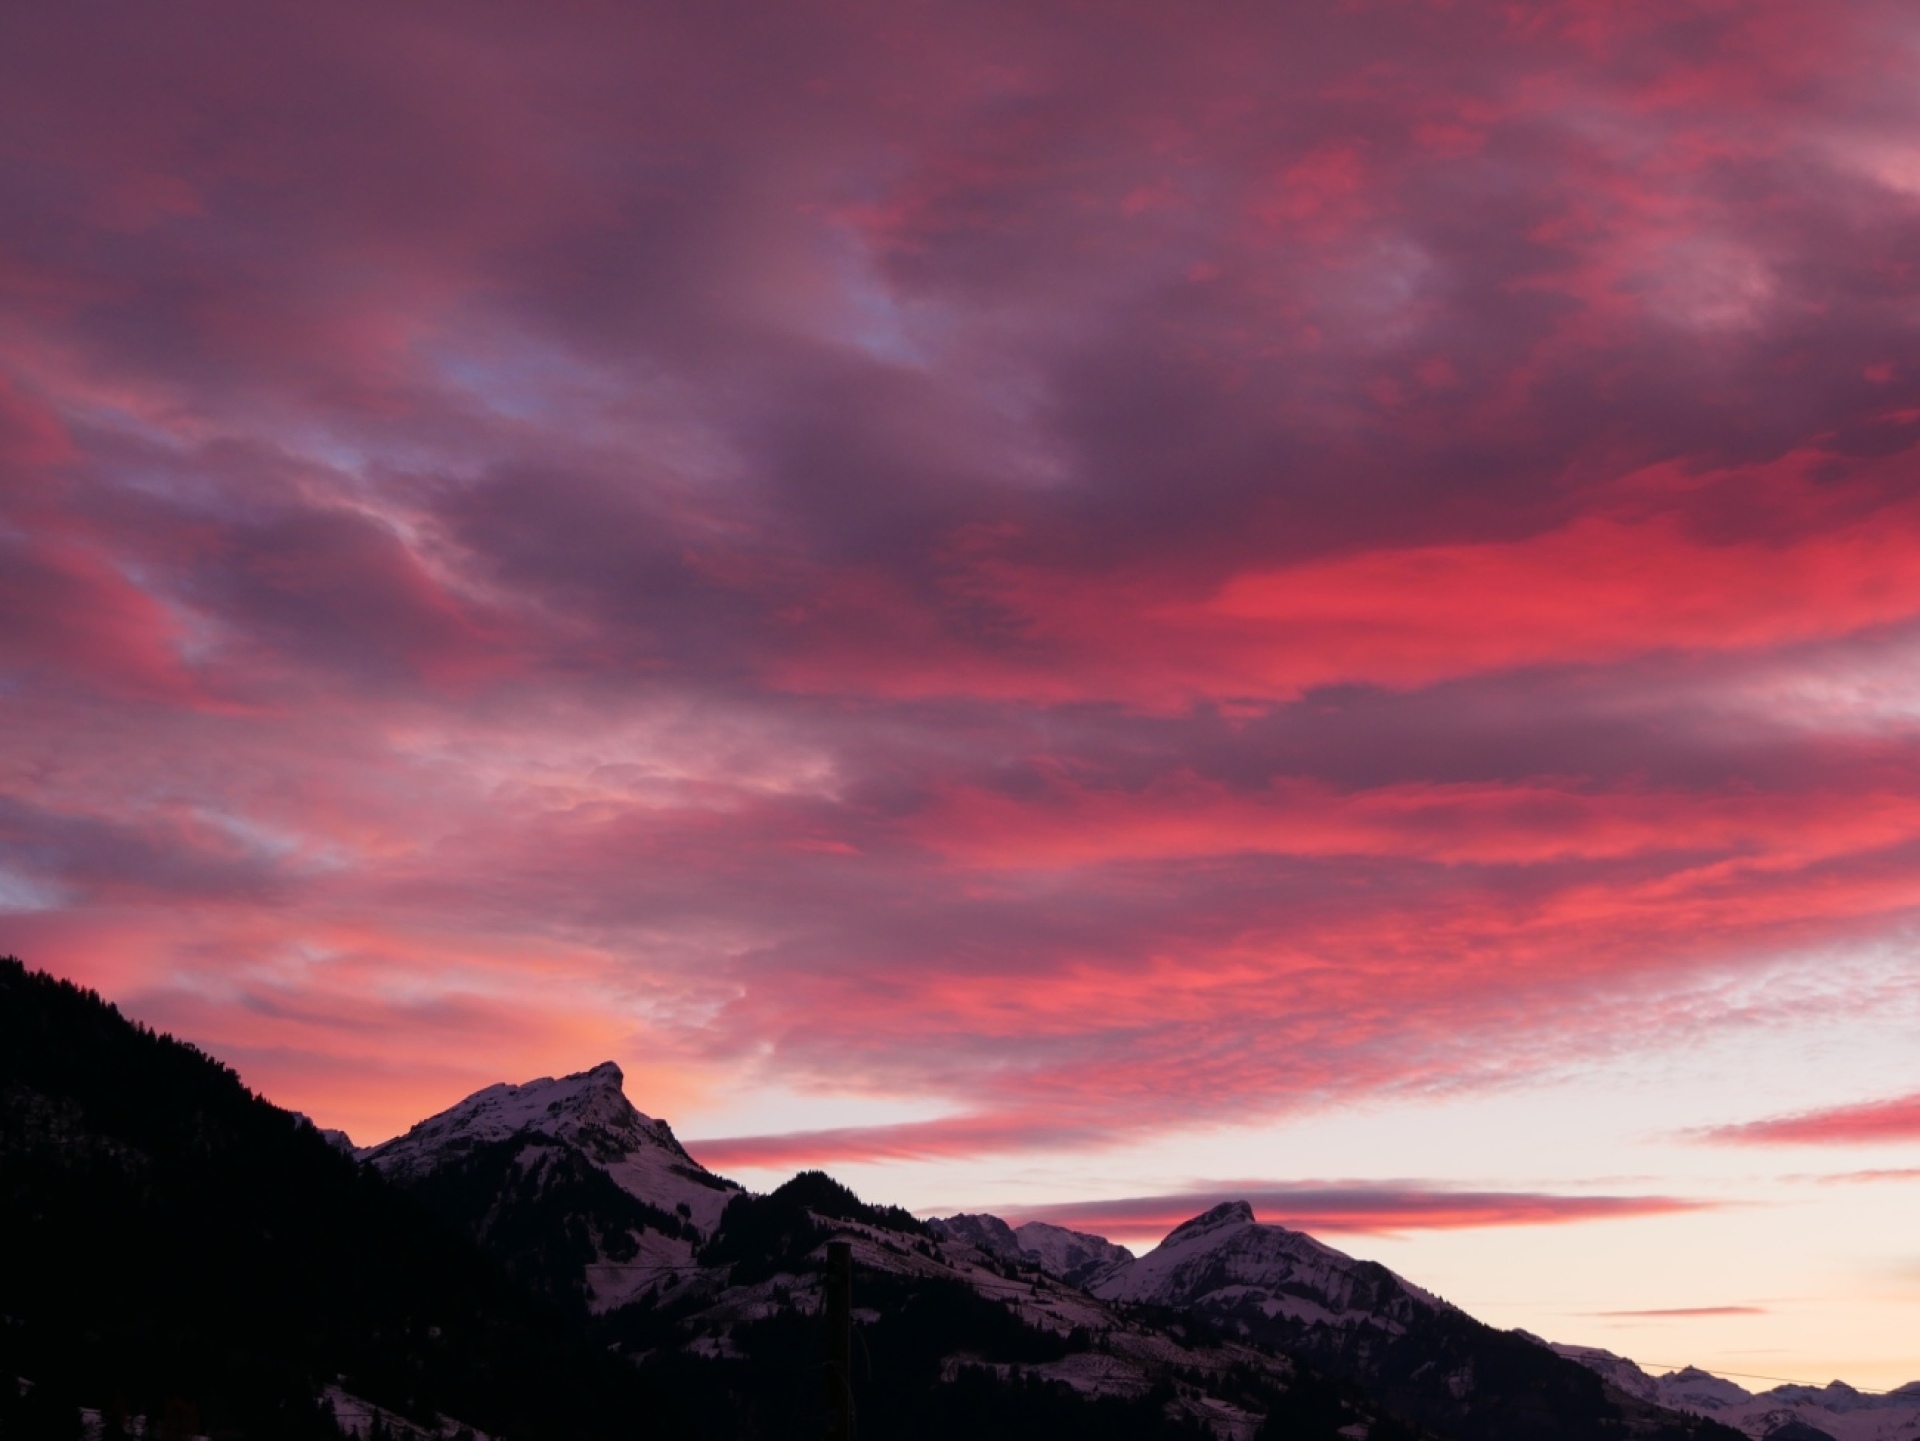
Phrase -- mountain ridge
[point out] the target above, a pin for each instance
(1247, 1295)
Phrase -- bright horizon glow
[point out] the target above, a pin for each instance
(1041, 611)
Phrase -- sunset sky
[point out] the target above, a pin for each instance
(1068, 609)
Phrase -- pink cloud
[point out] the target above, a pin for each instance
(1867, 1123)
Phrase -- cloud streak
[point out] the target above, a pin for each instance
(1866, 1123)
(1358, 1208)
(1684, 1312)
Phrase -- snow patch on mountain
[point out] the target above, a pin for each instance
(362, 1419)
(985, 1233)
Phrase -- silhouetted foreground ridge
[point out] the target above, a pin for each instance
(172, 1245)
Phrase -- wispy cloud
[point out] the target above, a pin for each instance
(916, 1140)
(1868, 1122)
(1681, 1312)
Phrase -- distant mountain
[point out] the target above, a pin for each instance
(1073, 1256)
(1834, 1412)
(1235, 1268)
(1422, 1358)
(583, 1198)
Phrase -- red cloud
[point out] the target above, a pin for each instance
(1601, 589)
(1863, 1124)
(1684, 1311)
(1062, 823)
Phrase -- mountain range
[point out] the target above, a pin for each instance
(1240, 1312)
(543, 1259)
(1834, 1412)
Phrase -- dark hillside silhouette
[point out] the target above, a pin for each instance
(170, 1240)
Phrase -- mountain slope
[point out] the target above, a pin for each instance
(171, 1244)
(957, 1342)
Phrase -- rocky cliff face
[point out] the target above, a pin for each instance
(1073, 1256)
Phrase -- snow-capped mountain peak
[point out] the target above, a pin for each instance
(589, 1108)
(1227, 1262)
(1227, 1213)
(587, 1112)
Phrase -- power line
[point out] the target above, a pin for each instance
(1752, 1376)
(649, 1266)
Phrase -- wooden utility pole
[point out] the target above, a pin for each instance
(839, 1341)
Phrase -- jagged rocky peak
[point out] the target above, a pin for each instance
(1697, 1390)
(1227, 1213)
(1074, 1256)
(587, 1113)
(589, 1109)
